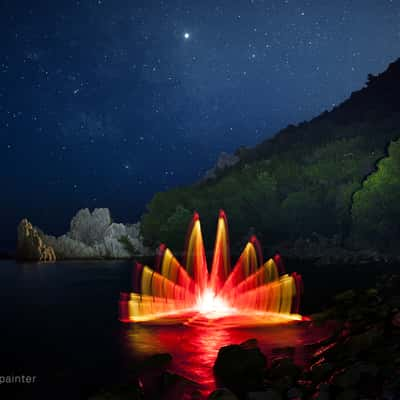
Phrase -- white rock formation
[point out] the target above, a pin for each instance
(94, 235)
(129, 233)
(68, 248)
(88, 227)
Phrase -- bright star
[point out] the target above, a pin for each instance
(186, 35)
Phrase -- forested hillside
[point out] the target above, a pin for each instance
(321, 176)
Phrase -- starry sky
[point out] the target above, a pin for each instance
(105, 102)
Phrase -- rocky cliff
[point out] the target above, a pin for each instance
(31, 246)
(91, 235)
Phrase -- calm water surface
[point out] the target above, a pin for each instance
(60, 322)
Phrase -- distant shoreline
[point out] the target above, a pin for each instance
(349, 258)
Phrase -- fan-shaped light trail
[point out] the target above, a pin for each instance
(250, 293)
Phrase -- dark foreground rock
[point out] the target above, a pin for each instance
(153, 380)
(241, 367)
(361, 360)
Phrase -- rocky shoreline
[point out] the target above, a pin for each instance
(95, 236)
(361, 360)
(92, 235)
(333, 251)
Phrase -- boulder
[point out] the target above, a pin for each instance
(30, 245)
(240, 368)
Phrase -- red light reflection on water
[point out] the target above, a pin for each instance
(194, 349)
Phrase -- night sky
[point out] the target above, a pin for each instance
(103, 103)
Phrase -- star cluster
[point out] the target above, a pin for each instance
(104, 103)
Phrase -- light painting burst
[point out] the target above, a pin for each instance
(250, 293)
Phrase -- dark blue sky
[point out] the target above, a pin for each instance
(103, 103)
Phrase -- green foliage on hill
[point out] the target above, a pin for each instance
(281, 198)
(376, 206)
(300, 181)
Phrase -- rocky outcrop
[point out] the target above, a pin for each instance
(89, 228)
(93, 235)
(224, 161)
(31, 246)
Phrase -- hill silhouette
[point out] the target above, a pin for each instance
(309, 179)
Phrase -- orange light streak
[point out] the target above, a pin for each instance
(250, 293)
